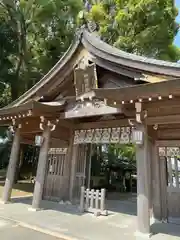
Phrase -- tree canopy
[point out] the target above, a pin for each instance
(144, 27)
(33, 36)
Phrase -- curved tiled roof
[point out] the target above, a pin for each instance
(112, 54)
(106, 53)
(103, 46)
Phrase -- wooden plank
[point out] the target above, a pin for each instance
(67, 166)
(97, 200)
(102, 124)
(170, 172)
(168, 134)
(165, 143)
(56, 142)
(41, 169)
(56, 182)
(90, 111)
(169, 126)
(161, 103)
(176, 172)
(171, 119)
(143, 185)
(84, 163)
(163, 111)
(12, 167)
(139, 91)
(163, 189)
(61, 133)
(56, 164)
(65, 72)
(173, 190)
(88, 166)
(92, 198)
(73, 171)
(80, 170)
(156, 193)
(50, 175)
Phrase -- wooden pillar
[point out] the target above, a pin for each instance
(150, 156)
(68, 165)
(88, 165)
(73, 171)
(143, 186)
(41, 169)
(12, 167)
(163, 189)
(156, 185)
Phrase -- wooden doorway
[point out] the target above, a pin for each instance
(56, 178)
(80, 171)
(170, 182)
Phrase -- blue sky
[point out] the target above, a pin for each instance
(177, 39)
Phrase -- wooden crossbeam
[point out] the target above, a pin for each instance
(169, 134)
(102, 124)
(170, 119)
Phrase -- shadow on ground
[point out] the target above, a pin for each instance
(165, 229)
(125, 203)
(49, 205)
(122, 220)
(21, 188)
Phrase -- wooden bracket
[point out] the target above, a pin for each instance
(13, 127)
(45, 122)
(140, 114)
(138, 106)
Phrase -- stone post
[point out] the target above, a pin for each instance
(41, 170)
(12, 167)
(143, 186)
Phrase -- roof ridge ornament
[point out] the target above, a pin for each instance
(86, 23)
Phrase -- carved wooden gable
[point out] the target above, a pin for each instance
(85, 77)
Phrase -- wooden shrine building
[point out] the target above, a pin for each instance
(99, 94)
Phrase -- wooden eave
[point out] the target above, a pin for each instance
(143, 91)
(31, 109)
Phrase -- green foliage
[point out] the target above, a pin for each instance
(121, 151)
(35, 33)
(33, 36)
(112, 155)
(144, 27)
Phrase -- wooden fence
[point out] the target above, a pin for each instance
(93, 201)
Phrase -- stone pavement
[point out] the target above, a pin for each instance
(10, 230)
(65, 221)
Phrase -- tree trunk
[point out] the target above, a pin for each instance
(14, 89)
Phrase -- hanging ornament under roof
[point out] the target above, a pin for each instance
(85, 77)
